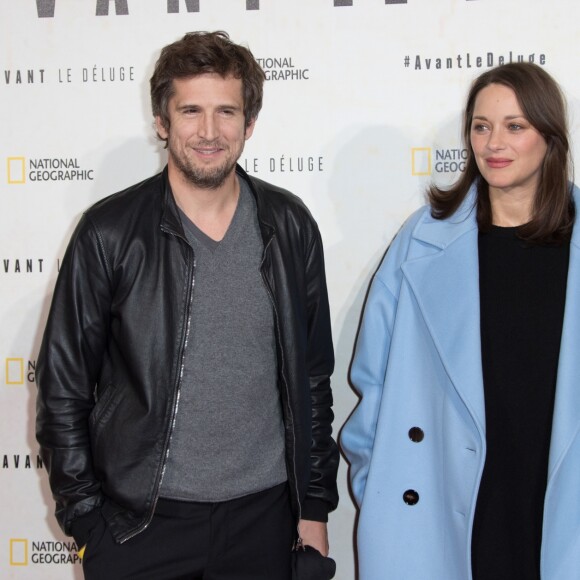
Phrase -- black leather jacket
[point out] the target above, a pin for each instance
(108, 372)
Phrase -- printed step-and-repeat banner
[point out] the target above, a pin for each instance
(362, 110)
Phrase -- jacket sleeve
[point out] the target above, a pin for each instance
(367, 376)
(322, 494)
(68, 369)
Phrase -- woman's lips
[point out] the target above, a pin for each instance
(497, 163)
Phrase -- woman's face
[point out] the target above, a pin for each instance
(508, 150)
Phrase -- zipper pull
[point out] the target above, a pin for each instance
(299, 544)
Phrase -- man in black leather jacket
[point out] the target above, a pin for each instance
(184, 401)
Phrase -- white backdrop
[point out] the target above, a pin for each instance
(361, 111)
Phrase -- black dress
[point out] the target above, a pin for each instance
(522, 298)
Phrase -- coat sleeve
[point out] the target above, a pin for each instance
(68, 369)
(322, 494)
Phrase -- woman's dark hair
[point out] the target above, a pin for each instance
(543, 105)
(200, 53)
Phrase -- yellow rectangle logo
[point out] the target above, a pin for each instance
(421, 160)
(14, 371)
(18, 552)
(16, 167)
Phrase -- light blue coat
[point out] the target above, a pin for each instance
(418, 364)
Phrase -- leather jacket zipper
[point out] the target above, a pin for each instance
(191, 284)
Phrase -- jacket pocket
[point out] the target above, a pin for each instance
(105, 405)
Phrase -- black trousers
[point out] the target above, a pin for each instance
(249, 538)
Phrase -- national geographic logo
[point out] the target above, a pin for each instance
(282, 69)
(425, 160)
(18, 552)
(19, 371)
(16, 170)
(284, 164)
(24, 552)
(19, 170)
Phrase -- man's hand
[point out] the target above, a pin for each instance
(314, 534)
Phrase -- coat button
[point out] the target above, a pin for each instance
(416, 434)
(410, 497)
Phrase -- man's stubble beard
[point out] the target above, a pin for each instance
(212, 178)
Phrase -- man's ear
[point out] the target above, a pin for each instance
(250, 128)
(160, 128)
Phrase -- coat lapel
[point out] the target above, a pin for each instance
(444, 277)
(566, 422)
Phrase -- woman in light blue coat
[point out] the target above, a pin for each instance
(464, 449)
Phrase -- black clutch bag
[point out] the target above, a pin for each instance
(309, 564)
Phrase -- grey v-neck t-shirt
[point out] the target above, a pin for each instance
(228, 438)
